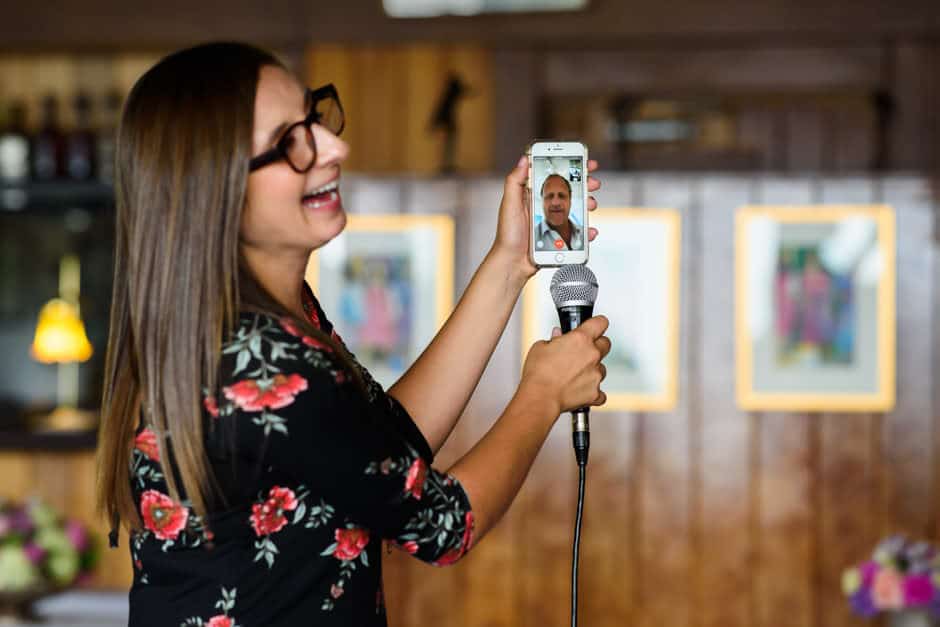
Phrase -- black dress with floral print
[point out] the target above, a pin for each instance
(316, 473)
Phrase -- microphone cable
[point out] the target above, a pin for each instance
(581, 454)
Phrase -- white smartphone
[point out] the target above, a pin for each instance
(558, 233)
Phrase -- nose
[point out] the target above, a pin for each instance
(331, 150)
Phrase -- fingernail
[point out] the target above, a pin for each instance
(521, 161)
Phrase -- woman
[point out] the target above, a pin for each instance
(257, 466)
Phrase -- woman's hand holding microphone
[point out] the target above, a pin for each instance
(567, 369)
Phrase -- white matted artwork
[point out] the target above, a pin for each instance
(386, 283)
(636, 262)
(815, 308)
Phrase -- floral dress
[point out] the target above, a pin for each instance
(316, 474)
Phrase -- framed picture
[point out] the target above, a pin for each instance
(387, 285)
(636, 261)
(815, 308)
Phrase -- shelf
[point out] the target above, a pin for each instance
(55, 196)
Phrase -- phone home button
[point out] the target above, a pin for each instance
(559, 257)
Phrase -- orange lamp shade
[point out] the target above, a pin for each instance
(60, 334)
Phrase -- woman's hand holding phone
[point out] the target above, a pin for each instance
(515, 219)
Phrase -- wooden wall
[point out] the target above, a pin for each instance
(705, 516)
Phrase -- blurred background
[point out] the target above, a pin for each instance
(702, 515)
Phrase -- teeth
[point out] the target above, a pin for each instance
(316, 204)
(326, 188)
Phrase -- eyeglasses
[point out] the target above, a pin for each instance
(296, 145)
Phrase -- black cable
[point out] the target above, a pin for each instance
(582, 466)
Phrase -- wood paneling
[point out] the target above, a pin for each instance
(390, 93)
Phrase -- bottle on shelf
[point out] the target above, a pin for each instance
(80, 143)
(48, 149)
(14, 147)
(107, 135)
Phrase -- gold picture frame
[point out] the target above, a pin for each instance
(387, 285)
(636, 258)
(815, 308)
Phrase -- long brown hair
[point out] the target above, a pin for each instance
(183, 148)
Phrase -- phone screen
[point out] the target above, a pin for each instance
(558, 203)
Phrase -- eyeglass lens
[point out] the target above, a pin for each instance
(300, 145)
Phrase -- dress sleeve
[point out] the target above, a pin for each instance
(316, 426)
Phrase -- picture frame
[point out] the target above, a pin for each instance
(815, 309)
(638, 253)
(387, 285)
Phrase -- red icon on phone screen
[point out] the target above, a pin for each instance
(559, 244)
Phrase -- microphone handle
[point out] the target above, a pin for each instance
(571, 317)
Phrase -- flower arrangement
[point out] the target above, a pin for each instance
(900, 575)
(40, 551)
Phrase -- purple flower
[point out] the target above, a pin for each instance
(868, 570)
(5, 525)
(21, 521)
(862, 603)
(34, 553)
(918, 590)
(77, 535)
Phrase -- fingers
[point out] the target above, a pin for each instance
(600, 400)
(592, 165)
(603, 345)
(594, 327)
(519, 174)
(592, 204)
(593, 184)
(592, 233)
(556, 332)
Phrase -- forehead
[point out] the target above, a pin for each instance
(556, 184)
(279, 98)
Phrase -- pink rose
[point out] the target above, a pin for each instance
(414, 480)
(255, 395)
(219, 621)
(211, 405)
(886, 592)
(350, 543)
(146, 443)
(162, 515)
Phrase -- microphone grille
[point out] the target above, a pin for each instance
(574, 285)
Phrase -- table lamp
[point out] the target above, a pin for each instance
(61, 339)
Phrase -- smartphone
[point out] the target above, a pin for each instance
(558, 193)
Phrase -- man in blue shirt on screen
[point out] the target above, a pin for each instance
(557, 231)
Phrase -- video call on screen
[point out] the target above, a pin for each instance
(558, 205)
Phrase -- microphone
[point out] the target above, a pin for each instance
(574, 290)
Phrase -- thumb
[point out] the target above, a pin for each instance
(516, 179)
(556, 332)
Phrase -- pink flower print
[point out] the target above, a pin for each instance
(146, 443)
(211, 406)
(268, 517)
(220, 621)
(162, 515)
(350, 543)
(336, 591)
(414, 480)
(291, 327)
(257, 394)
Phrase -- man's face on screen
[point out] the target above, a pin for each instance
(556, 201)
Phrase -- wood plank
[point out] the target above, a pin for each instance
(331, 63)
(475, 116)
(665, 497)
(726, 584)
(784, 570)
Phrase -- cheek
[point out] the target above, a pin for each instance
(270, 198)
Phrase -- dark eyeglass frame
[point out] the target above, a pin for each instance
(312, 96)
